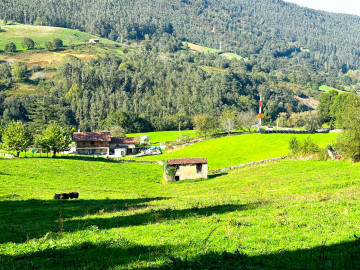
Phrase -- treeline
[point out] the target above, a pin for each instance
(271, 30)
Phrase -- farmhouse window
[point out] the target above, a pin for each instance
(198, 168)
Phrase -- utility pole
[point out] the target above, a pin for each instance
(220, 46)
(260, 111)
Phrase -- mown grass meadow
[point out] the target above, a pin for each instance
(234, 150)
(281, 215)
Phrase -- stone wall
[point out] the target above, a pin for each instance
(6, 155)
(189, 171)
(245, 164)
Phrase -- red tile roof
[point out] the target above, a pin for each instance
(91, 136)
(183, 161)
(124, 140)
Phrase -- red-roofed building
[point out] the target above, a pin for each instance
(101, 143)
(186, 168)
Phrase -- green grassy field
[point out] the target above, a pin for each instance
(41, 34)
(282, 215)
(234, 150)
(164, 136)
(204, 49)
(325, 88)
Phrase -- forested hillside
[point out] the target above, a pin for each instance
(270, 29)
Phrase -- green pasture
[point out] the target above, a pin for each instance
(281, 215)
(234, 150)
(164, 136)
(325, 89)
(204, 49)
(41, 34)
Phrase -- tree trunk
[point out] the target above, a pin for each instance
(17, 154)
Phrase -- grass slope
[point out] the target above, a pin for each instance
(288, 215)
(203, 49)
(41, 34)
(234, 150)
(325, 89)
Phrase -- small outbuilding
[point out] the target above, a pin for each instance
(94, 41)
(185, 168)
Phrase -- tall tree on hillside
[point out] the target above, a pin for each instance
(16, 137)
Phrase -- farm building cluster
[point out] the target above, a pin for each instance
(101, 143)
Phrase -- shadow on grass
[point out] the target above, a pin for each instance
(344, 255)
(215, 175)
(157, 216)
(87, 255)
(21, 220)
(121, 253)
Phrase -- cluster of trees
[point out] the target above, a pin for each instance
(333, 108)
(310, 120)
(270, 30)
(16, 137)
(29, 44)
(228, 121)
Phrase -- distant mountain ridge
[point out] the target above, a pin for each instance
(269, 29)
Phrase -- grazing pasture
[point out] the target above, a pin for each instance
(288, 214)
(40, 34)
(234, 150)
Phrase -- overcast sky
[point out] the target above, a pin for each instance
(339, 6)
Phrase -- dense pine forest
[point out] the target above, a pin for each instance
(284, 50)
(269, 29)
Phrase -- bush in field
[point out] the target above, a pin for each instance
(19, 70)
(53, 45)
(10, 47)
(16, 137)
(27, 43)
(306, 147)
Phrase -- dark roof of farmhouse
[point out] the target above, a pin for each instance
(124, 140)
(91, 136)
(183, 161)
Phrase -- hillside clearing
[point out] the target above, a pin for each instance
(127, 218)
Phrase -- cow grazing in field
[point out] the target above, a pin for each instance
(66, 196)
(74, 195)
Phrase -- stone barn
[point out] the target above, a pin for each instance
(185, 168)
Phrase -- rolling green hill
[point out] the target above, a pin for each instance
(287, 214)
(235, 150)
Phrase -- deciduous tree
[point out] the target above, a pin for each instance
(16, 137)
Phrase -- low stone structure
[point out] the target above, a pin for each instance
(94, 41)
(185, 168)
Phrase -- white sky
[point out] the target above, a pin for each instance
(338, 6)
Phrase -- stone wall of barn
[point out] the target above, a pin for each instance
(189, 171)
